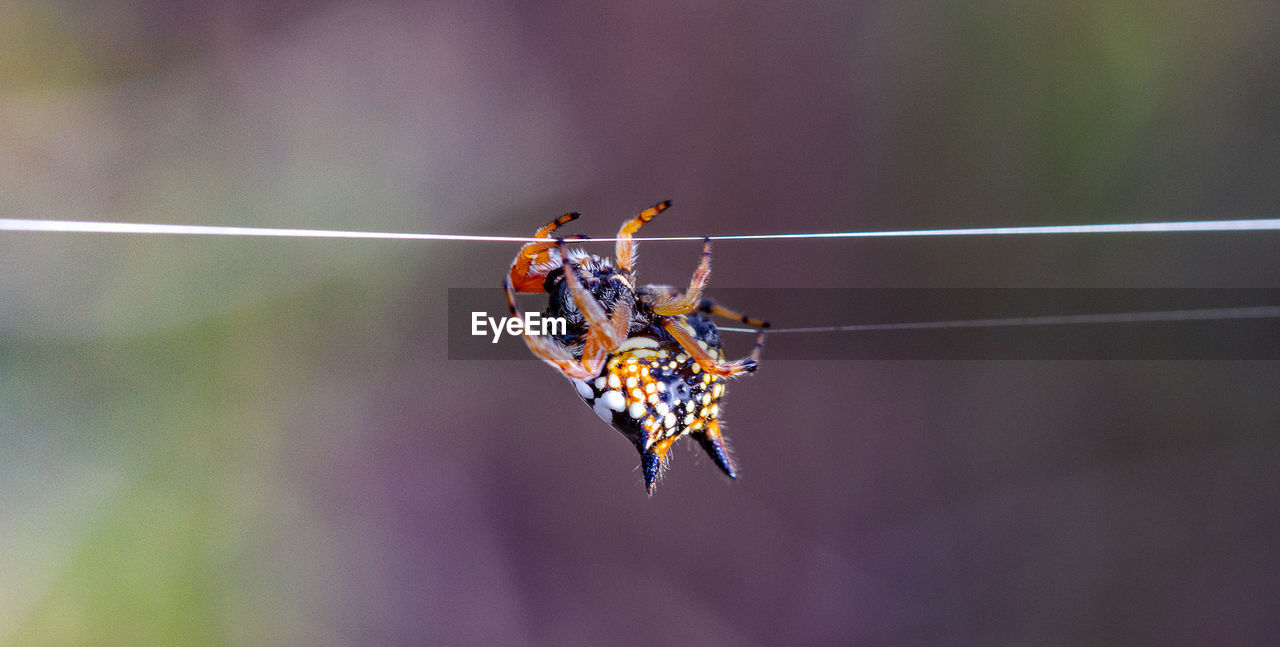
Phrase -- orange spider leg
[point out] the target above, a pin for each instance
(683, 335)
(678, 304)
(625, 250)
(523, 276)
(550, 350)
(606, 332)
(711, 307)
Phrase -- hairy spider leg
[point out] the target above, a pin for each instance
(523, 273)
(680, 331)
(604, 333)
(711, 307)
(625, 249)
(678, 304)
(551, 351)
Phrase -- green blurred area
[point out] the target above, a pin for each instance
(145, 472)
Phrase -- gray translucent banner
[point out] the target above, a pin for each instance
(953, 323)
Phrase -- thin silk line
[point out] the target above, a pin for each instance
(82, 226)
(1268, 224)
(1251, 312)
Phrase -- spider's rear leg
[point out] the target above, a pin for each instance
(678, 304)
(698, 350)
(625, 249)
(523, 276)
(712, 308)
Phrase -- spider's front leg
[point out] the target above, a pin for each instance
(625, 249)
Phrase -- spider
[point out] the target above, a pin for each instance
(645, 358)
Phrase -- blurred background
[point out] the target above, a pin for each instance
(262, 441)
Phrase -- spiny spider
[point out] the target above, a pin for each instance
(644, 358)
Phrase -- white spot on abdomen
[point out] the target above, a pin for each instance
(603, 411)
(614, 400)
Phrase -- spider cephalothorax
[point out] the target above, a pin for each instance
(643, 357)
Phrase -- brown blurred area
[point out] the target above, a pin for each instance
(262, 441)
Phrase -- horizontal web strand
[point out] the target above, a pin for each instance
(1205, 314)
(84, 226)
